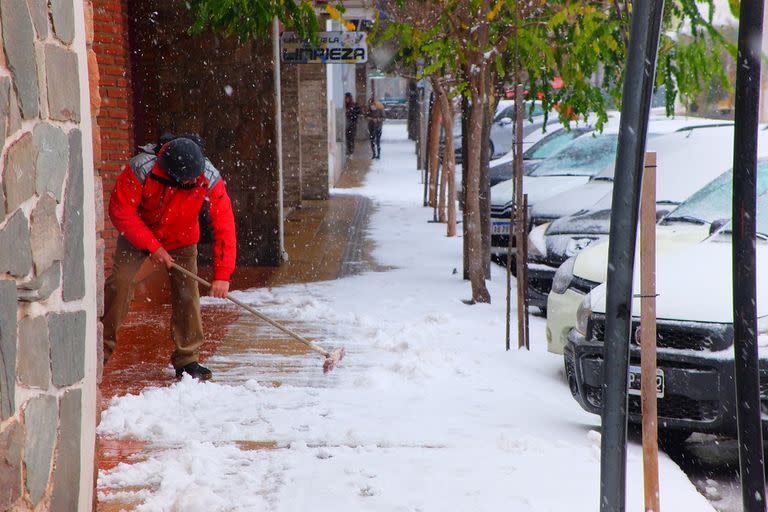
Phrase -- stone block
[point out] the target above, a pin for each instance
(52, 158)
(41, 421)
(11, 444)
(19, 42)
(5, 104)
(16, 256)
(99, 200)
(40, 288)
(66, 473)
(67, 335)
(34, 359)
(20, 172)
(39, 11)
(8, 327)
(45, 234)
(99, 352)
(63, 95)
(63, 15)
(74, 252)
(100, 249)
(94, 79)
(14, 114)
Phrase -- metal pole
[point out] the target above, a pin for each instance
(648, 393)
(636, 100)
(748, 414)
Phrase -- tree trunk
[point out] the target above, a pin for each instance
(472, 171)
(449, 159)
(434, 152)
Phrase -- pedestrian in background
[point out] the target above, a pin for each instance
(375, 116)
(352, 111)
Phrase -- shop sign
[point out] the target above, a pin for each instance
(331, 48)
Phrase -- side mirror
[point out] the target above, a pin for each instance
(717, 225)
(505, 121)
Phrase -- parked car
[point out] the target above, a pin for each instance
(570, 167)
(503, 127)
(582, 198)
(687, 160)
(688, 224)
(546, 145)
(395, 108)
(695, 356)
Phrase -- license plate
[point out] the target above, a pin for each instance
(634, 381)
(500, 228)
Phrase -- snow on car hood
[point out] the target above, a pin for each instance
(592, 263)
(538, 188)
(695, 285)
(572, 201)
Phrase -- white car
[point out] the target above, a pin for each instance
(687, 161)
(688, 224)
(695, 355)
(570, 167)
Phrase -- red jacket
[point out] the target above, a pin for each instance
(151, 213)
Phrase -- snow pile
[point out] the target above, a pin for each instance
(426, 413)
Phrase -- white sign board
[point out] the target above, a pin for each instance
(331, 48)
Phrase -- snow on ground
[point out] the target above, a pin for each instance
(428, 412)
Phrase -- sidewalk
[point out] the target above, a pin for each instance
(427, 412)
(324, 241)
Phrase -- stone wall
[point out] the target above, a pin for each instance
(47, 305)
(226, 93)
(313, 120)
(289, 87)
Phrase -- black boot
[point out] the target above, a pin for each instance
(195, 370)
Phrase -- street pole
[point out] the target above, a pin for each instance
(636, 100)
(746, 367)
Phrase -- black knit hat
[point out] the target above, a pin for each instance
(182, 159)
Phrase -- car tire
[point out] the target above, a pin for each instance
(491, 149)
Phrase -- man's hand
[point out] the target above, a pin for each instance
(161, 257)
(219, 289)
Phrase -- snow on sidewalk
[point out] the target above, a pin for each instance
(426, 413)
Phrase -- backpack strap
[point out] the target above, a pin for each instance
(142, 165)
(213, 176)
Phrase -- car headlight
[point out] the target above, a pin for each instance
(537, 243)
(563, 276)
(576, 245)
(583, 313)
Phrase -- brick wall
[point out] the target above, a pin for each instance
(113, 138)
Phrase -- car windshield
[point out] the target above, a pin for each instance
(715, 200)
(586, 156)
(762, 219)
(552, 143)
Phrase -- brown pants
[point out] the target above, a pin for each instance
(186, 325)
